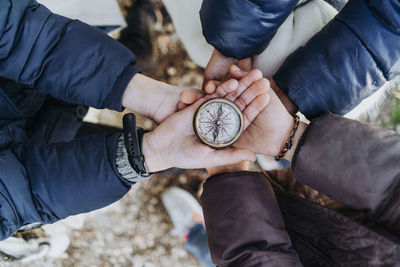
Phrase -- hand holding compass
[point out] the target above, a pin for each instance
(174, 144)
(269, 131)
(249, 97)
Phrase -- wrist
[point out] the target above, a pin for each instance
(153, 158)
(299, 133)
(147, 96)
(289, 105)
(279, 136)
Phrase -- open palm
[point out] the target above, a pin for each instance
(272, 124)
(177, 145)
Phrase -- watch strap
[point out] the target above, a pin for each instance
(133, 137)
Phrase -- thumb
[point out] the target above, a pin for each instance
(236, 72)
(200, 101)
(188, 97)
(245, 64)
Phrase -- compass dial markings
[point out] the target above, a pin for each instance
(219, 122)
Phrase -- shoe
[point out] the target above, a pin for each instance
(183, 209)
(16, 249)
(25, 246)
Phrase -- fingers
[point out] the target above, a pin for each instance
(236, 72)
(227, 87)
(221, 89)
(259, 87)
(255, 108)
(181, 106)
(195, 105)
(189, 97)
(217, 68)
(246, 79)
(244, 83)
(233, 90)
(245, 64)
(211, 86)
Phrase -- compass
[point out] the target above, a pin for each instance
(218, 123)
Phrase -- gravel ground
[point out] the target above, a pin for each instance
(133, 231)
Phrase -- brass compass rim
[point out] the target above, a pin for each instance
(196, 126)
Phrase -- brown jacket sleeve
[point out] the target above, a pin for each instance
(244, 223)
(353, 163)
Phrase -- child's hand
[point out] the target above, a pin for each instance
(217, 70)
(174, 144)
(232, 92)
(269, 131)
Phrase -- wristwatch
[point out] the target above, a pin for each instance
(133, 138)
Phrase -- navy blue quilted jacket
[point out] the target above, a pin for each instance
(347, 61)
(46, 54)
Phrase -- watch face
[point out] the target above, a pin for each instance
(218, 123)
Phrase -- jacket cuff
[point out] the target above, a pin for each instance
(112, 150)
(123, 165)
(225, 24)
(114, 98)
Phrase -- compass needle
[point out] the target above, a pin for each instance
(209, 131)
(215, 134)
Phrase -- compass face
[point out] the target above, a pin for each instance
(218, 123)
